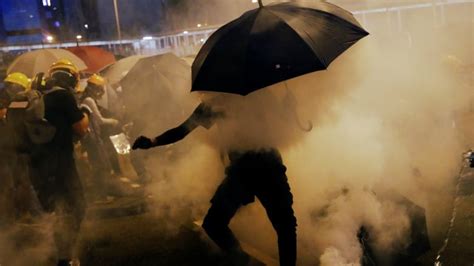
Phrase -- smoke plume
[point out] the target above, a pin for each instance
(385, 116)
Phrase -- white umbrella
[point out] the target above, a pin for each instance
(37, 61)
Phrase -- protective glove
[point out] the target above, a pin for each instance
(114, 122)
(142, 142)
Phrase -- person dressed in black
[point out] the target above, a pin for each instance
(251, 173)
(54, 174)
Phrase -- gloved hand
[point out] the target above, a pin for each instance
(142, 142)
(115, 122)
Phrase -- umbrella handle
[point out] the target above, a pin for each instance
(292, 100)
(308, 127)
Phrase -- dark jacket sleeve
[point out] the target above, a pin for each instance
(71, 110)
(202, 116)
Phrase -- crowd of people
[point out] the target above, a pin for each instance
(47, 120)
(43, 122)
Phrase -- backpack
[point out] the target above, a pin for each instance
(25, 115)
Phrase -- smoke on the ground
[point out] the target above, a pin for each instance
(28, 243)
(386, 116)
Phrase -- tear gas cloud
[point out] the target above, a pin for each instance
(386, 117)
(188, 14)
(28, 244)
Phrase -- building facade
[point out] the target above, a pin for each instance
(52, 21)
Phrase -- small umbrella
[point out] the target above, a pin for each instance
(274, 43)
(34, 62)
(94, 57)
(118, 70)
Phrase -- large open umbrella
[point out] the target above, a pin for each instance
(95, 58)
(274, 43)
(155, 92)
(118, 70)
(34, 62)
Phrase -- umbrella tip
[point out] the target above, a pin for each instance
(260, 4)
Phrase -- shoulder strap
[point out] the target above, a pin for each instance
(53, 89)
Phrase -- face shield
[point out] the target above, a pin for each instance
(65, 79)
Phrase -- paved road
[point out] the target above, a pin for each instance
(124, 232)
(458, 248)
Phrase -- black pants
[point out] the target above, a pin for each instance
(260, 174)
(58, 187)
(24, 198)
(7, 208)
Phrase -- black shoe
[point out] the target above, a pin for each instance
(64, 263)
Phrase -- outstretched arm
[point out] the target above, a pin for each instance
(174, 135)
(202, 116)
(171, 136)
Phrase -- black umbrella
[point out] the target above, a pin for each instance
(274, 43)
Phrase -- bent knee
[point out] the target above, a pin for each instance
(210, 225)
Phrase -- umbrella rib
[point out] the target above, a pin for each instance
(352, 25)
(205, 51)
(248, 40)
(208, 53)
(306, 43)
(357, 25)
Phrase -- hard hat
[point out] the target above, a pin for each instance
(18, 78)
(96, 80)
(64, 64)
(65, 73)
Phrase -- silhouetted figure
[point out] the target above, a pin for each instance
(16, 153)
(252, 173)
(54, 174)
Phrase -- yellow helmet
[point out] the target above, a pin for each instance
(64, 64)
(96, 80)
(19, 78)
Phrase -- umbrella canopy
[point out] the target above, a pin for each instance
(34, 62)
(157, 89)
(418, 242)
(95, 58)
(118, 70)
(274, 43)
(189, 59)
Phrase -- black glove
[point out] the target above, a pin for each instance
(142, 142)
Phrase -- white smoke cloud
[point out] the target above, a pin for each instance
(385, 115)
